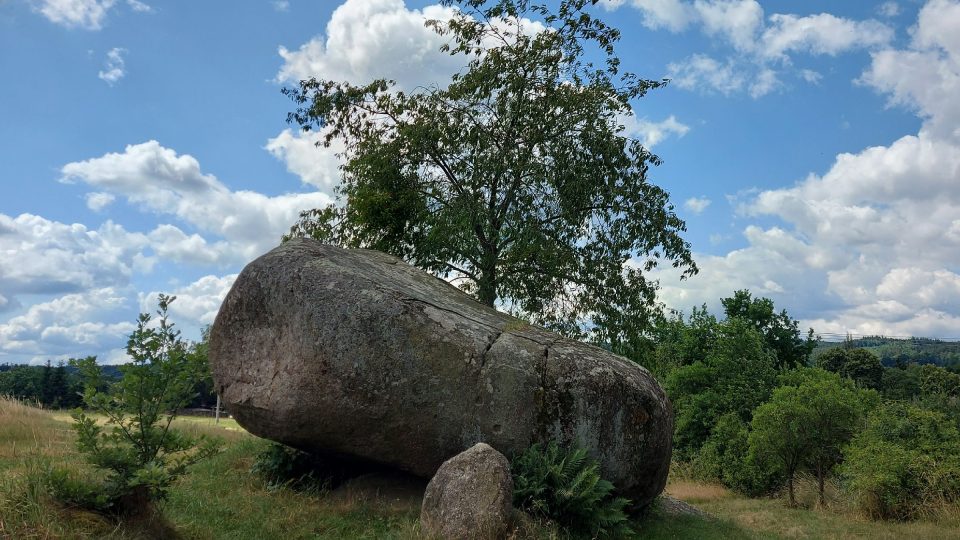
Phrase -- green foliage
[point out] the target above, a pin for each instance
(138, 451)
(49, 386)
(565, 486)
(736, 376)
(282, 466)
(907, 459)
(516, 179)
(780, 332)
(681, 343)
(726, 457)
(807, 422)
(859, 365)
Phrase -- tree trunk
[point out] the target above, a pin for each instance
(820, 481)
(487, 290)
(793, 500)
(487, 286)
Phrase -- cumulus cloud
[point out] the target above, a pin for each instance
(161, 181)
(763, 47)
(197, 303)
(67, 325)
(696, 205)
(888, 9)
(821, 34)
(372, 39)
(114, 68)
(41, 256)
(85, 14)
(651, 133)
(869, 246)
(315, 165)
(97, 201)
(703, 72)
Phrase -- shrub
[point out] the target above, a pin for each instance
(907, 459)
(726, 457)
(565, 486)
(137, 448)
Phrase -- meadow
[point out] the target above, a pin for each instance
(221, 498)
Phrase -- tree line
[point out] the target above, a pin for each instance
(753, 411)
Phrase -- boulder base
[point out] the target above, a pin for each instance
(470, 496)
(358, 354)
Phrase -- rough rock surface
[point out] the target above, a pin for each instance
(357, 353)
(469, 497)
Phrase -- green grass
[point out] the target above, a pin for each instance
(220, 498)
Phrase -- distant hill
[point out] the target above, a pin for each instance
(893, 352)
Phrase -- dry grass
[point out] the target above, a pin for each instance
(697, 492)
(771, 517)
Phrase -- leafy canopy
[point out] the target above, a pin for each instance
(516, 180)
(807, 422)
(780, 332)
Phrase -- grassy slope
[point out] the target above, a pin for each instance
(221, 499)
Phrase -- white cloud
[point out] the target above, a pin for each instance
(114, 66)
(821, 34)
(703, 72)
(673, 15)
(39, 256)
(811, 76)
(281, 5)
(696, 205)
(139, 7)
(97, 201)
(197, 303)
(315, 165)
(67, 325)
(371, 39)
(651, 133)
(762, 46)
(870, 246)
(736, 20)
(926, 76)
(888, 9)
(161, 181)
(765, 82)
(86, 14)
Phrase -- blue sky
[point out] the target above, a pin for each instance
(813, 148)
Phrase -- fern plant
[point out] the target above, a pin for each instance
(565, 486)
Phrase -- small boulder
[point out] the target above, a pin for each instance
(469, 497)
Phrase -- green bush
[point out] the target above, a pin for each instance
(726, 457)
(905, 461)
(284, 467)
(137, 448)
(565, 486)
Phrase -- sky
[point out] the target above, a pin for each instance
(812, 147)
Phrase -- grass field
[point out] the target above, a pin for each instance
(220, 498)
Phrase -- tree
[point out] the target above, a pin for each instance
(807, 422)
(857, 364)
(906, 459)
(780, 332)
(681, 343)
(736, 376)
(139, 451)
(516, 180)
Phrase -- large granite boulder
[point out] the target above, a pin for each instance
(470, 497)
(357, 353)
